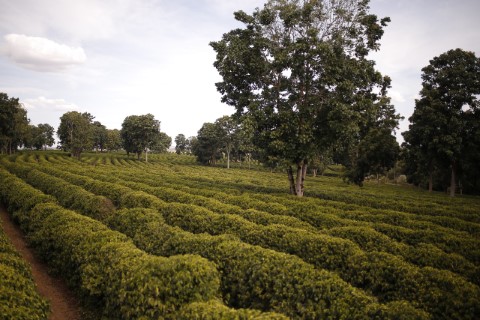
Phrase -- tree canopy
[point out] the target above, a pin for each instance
(139, 133)
(299, 70)
(14, 124)
(75, 132)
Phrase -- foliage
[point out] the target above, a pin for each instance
(377, 153)
(162, 143)
(13, 124)
(139, 133)
(19, 298)
(444, 126)
(75, 132)
(208, 143)
(100, 136)
(110, 270)
(386, 252)
(114, 141)
(181, 144)
(44, 136)
(300, 71)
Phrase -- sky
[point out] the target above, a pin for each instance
(115, 58)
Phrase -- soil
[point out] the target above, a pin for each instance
(63, 303)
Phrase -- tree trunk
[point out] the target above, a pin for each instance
(453, 180)
(291, 180)
(228, 159)
(315, 172)
(301, 172)
(430, 181)
(146, 155)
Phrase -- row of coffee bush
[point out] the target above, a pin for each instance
(366, 237)
(261, 278)
(253, 277)
(106, 267)
(19, 298)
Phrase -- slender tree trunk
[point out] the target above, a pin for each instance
(228, 159)
(146, 155)
(301, 172)
(430, 181)
(315, 172)
(453, 180)
(291, 180)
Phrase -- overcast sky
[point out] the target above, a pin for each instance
(119, 58)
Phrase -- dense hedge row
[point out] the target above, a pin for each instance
(106, 266)
(297, 278)
(365, 237)
(364, 246)
(67, 194)
(254, 277)
(19, 298)
(386, 276)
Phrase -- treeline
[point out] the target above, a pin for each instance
(78, 132)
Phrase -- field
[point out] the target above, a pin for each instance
(172, 239)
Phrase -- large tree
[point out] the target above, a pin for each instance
(139, 134)
(299, 70)
(75, 132)
(445, 118)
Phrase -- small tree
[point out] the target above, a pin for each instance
(99, 136)
(162, 143)
(228, 134)
(114, 141)
(75, 132)
(206, 147)
(139, 134)
(180, 144)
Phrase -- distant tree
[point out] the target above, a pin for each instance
(180, 143)
(99, 136)
(40, 137)
(377, 153)
(376, 149)
(191, 141)
(445, 117)
(319, 163)
(162, 143)
(114, 141)
(75, 132)
(208, 144)
(14, 124)
(228, 134)
(299, 70)
(139, 133)
(47, 132)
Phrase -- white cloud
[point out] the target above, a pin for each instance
(45, 104)
(396, 96)
(41, 54)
